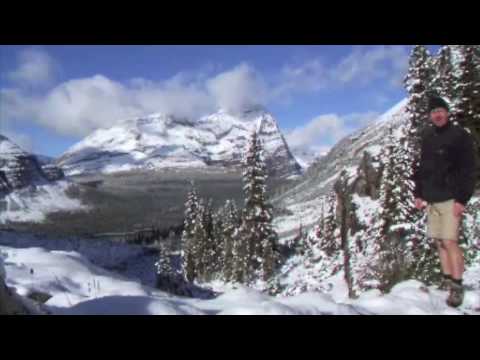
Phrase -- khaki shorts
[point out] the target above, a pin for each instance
(441, 222)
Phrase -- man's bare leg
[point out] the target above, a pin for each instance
(447, 265)
(455, 256)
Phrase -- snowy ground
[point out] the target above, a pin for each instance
(78, 286)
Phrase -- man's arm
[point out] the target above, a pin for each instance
(416, 177)
(465, 169)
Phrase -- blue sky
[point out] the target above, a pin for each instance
(52, 96)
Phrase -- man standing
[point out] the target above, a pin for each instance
(444, 183)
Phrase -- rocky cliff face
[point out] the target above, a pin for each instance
(19, 169)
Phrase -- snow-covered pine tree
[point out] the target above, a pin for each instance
(344, 200)
(468, 89)
(269, 258)
(163, 265)
(219, 242)
(210, 246)
(467, 111)
(315, 238)
(187, 240)
(300, 241)
(240, 254)
(256, 229)
(167, 279)
(417, 82)
(382, 262)
(329, 242)
(326, 252)
(230, 227)
(444, 76)
(201, 242)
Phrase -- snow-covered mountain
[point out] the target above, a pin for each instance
(28, 189)
(165, 141)
(18, 169)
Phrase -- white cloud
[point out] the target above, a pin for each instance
(35, 68)
(311, 75)
(79, 106)
(359, 68)
(321, 130)
(237, 88)
(324, 130)
(364, 65)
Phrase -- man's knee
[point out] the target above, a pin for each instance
(450, 245)
(440, 244)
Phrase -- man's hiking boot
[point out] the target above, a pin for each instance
(455, 299)
(446, 284)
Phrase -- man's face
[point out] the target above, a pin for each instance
(439, 116)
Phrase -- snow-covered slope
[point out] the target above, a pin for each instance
(28, 190)
(78, 285)
(306, 200)
(159, 141)
(306, 197)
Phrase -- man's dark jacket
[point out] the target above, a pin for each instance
(447, 167)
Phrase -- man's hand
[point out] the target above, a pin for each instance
(420, 203)
(458, 209)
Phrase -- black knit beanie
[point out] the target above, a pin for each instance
(437, 102)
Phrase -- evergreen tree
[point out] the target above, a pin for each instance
(167, 278)
(417, 81)
(468, 90)
(201, 242)
(230, 227)
(467, 111)
(300, 245)
(445, 78)
(163, 265)
(240, 255)
(187, 240)
(210, 246)
(383, 254)
(269, 258)
(256, 230)
(219, 242)
(329, 243)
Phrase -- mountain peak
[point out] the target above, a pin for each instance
(9, 147)
(218, 139)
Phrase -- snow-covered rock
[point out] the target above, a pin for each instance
(28, 190)
(164, 141)
(18, 169)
